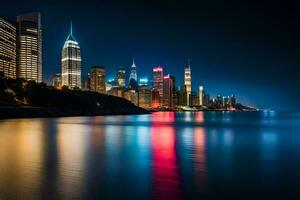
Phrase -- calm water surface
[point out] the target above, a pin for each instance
(243, 155)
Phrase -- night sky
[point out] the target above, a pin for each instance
(241, 47)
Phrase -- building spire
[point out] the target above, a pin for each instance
(189, 63)
(133, 60)
(71, 28)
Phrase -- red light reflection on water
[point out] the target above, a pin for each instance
(163, 117)
(166, 178)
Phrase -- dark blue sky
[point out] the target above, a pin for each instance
(247, 48)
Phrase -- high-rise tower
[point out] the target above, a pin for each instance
(71, 62)
(29, 47)
(187, 81)
(133, 74)
(158, 78)
(7, 49)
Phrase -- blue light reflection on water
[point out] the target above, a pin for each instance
(159, 156)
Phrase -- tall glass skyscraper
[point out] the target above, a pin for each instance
(29, 47)
(133, 76)
(158, 78)
(187, 82)
(71, 62)
(7, 49)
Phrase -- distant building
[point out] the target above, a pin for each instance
(116, 91)
(121, 74)
(194, 99)
(145, 97)
(29, 47)
(206, 99)
(155, 99)
(182, 100)
(8, 66)
(71, 62)
(131, 95)
(168, 92)
(201, 96)
(133, 76)
(56, 81)
(143, 81)
(97, 79)
(158, 78)
(187, 81)
(87, 82)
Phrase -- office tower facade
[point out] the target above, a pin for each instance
(121, 74)
(56, 81)
(143, 81)
(7, 49)
(158, 78)
(187, 82)
(133, 76)
(97, 79)
(145, 97)
(132, 96)
(201, 95)
(155, 99)
(182, 100)
(168, 92)
(71, 62)
(29, 47)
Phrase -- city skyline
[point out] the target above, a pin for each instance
(223, 58)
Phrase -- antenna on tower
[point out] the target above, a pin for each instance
(189, 62)
(71, 28)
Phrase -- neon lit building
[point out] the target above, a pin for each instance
(29, 47)
(168, 91)
(71, 62)
(187, 82)
(158, 78)
(7, 49)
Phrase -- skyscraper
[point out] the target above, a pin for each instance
(145, 96)
(7, 49)
(168, 91)
(97, 79)
(201, 95)
(121, 73)
(158, 78)
(187, 81)
(71, 62)
(56, 81)
(133, 76)
(29, 47)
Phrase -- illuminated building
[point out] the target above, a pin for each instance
(132, 96)
(182, 96)
(97, 79)
(145, 97)
(116, 91)
(29, 47)
(121, 73)
(168, 92)
(158, 77)
(187, 81)
(194, 99)
(133, 76)
(71, 62)
(201, 95)
(155, 99)
(7, 49)
(143, 81)
(56, 81)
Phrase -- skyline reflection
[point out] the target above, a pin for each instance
(160, 156)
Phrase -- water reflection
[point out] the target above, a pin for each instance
(160, 156)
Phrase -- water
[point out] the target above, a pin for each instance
(243, 155)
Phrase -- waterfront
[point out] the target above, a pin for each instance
(166, 155)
